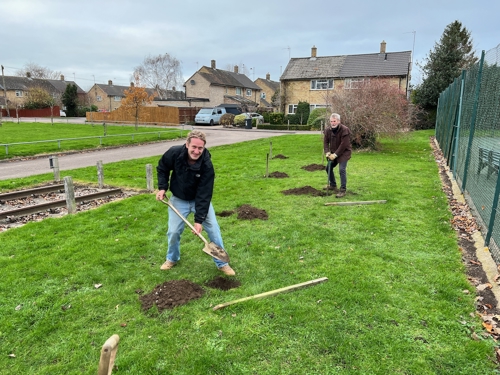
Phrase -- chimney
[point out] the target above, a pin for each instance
(110, 82)
(268, 77)
(313, 51)
(28, 74)
(382, 47)
(62, 77)
(131, 84)
(212, 62)
(173, 88)
(236, 68)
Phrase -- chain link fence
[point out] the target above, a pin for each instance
(468, 132)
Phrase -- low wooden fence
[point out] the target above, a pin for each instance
(151, 115)
(44, 112)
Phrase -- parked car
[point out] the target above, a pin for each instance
(258, 116)
(209, 116)
(62, 114)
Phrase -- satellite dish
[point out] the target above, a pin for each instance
(193, 82)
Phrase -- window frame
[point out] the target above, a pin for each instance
(248, 92)
(19, 93)
(117, 98)
(324, 84)
(355, 83)
(293, 108)
(238, 91)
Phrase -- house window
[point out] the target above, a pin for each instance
(249, 92)
(354, 83)
(321, 84)
(99, 98)
(314, 106)
(118, 98)
(19, 93)
(262, 95)
(238, 90)
(292, 109)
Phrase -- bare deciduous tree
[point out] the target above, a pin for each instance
(38, 71)
(162, 73)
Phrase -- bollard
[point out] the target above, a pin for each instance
(100, 174)
(69, 190)
(54, 164)
(149, 177)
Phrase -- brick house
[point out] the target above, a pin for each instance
(312, 79)
(268, 90)
(17, 89)
(217, 86)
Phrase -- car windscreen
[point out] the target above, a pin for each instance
(205, 111)
(234, 111)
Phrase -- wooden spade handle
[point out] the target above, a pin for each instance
(184, 220)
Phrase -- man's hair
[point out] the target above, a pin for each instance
(196, 134)
(335, 115)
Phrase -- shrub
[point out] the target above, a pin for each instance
(291, 119)
(227, 119)
(276, 118)
(318, 117)
(302, 114)
(239, 120)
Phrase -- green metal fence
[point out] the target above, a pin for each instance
(468, 132)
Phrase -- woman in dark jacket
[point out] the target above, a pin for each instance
(337, 148)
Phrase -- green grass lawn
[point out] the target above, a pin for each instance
(111, 135)
(394, 302)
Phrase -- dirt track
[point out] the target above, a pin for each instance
(216, 136)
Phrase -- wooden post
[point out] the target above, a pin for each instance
(271, 150)
(108, 355)
(267, 165)
(273, 292)
(70, 194)
(149, 177)
(100, 174)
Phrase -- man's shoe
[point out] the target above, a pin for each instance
(167, 265)
(332, 188)
(341, 193)
(227, 270)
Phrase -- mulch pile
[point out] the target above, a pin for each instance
(306, 190)
(278, 175)
(314, 167)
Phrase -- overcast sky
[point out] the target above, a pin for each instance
(105, 40)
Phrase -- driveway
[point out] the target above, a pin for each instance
(216, 136)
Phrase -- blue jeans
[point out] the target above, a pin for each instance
(342, 172)
(176, 227)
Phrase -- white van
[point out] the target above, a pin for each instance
(209, 116)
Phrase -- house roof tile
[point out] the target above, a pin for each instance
(226, 78)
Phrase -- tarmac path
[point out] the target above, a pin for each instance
(216, 136)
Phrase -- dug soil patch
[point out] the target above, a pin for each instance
(225, 213)
(278, 175)
(171, 294)
(247, 212)
(314, 167)
(305, 190)
(222, 283)
(279, 156)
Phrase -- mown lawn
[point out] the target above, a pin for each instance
(394, 302)
(59, 137)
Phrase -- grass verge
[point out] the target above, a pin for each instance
(393, 304)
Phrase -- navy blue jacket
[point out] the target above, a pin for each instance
(188, 182)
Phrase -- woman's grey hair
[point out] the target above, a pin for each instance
(335, 115)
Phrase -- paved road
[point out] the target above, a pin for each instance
(216, 136)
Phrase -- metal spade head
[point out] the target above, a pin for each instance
(216, 251)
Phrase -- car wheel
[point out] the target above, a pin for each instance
(211, 122)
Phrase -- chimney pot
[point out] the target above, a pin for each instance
(131, 84)
(268, 76)
(382, 46)
(28, 74)
(313, 51)
(212, 62)
(173, 88)
(62, 77)
(236, 68)
(110, 82)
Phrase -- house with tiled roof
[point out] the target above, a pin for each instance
(312, 79)
(269, 89)
(108, 97)
(17, 88)
(217, 86)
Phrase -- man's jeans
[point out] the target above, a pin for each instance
(342, 172)
(176, 227)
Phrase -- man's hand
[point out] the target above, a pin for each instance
(328, 155)
(160, 195)
(332, 156)
(198, 227)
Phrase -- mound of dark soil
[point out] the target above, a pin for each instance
(222, 283)
(247, 212)
(225, 213)
(278, 175)
(171, 294)
(305, 190)
(279, 156)
(314, 167)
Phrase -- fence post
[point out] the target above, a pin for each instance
(473, 120)
(100, 174)
(493, 212)
(459, 116)
(54, 164)
(149, 177)
(70, 194)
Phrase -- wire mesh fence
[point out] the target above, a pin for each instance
(468, 132)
